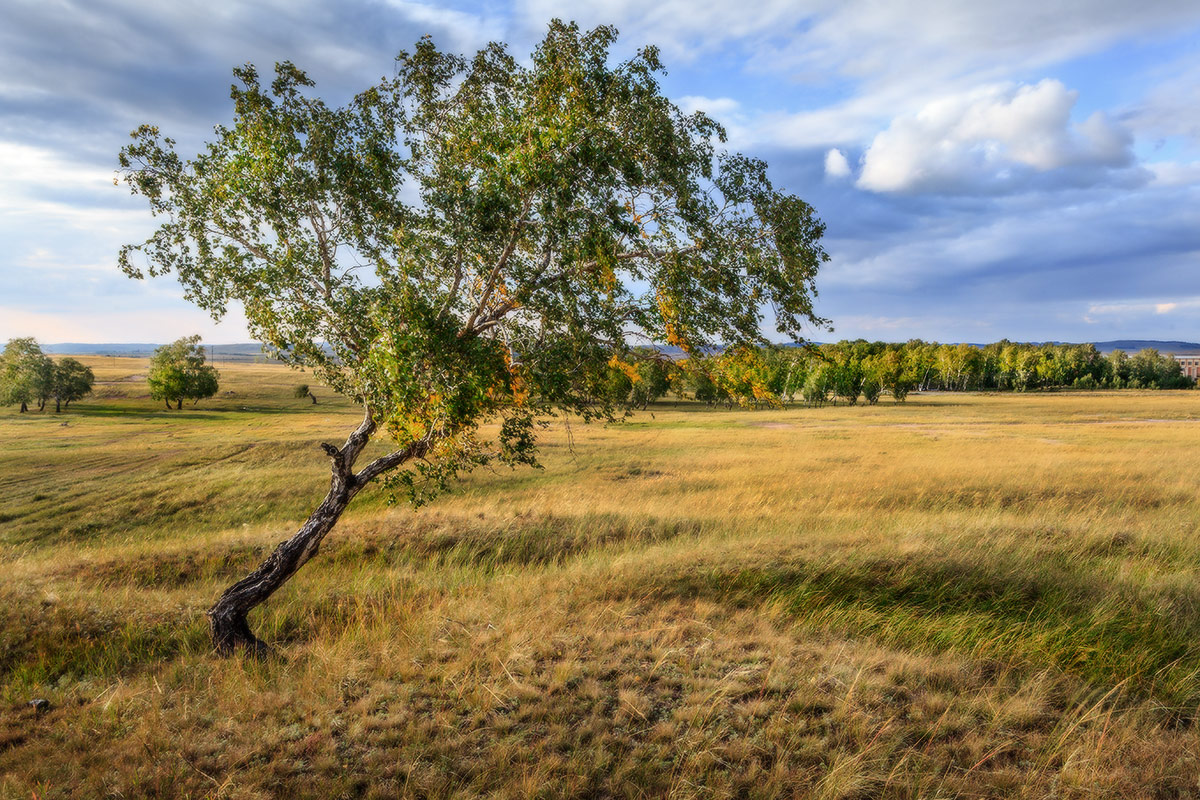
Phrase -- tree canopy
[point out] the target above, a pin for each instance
(72, 380)
(178, 372)
(26, 374)
(475, 239)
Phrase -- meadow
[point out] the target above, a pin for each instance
(964, 596)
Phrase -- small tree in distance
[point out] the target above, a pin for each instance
(26, 374)
(302, 391)
(549, 213)
(71, 381)
(178, 372)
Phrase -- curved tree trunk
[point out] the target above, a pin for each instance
(227, 617)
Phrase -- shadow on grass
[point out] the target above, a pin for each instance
(1088, 626)
(426, 544)
(48, 645)
(525, 541)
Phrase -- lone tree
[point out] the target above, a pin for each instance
(178, 372)
(26, 374)
(302, 391)
(519, 225)
(71, 381)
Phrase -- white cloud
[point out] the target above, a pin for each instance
(1132, 308)
(24, 169)
(715, 107)
(866, 37)
(885, 58)
(966, 142)
(836, 165)
(1172, 173)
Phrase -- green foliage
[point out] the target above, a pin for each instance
(300, 391)
(548, 210)
(71, 381)
(178, 372)
(26, 373)
(853, 369)
(816, 385)
(654, 376)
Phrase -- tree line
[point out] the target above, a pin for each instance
(854, 371)
(177, 372)
(848, 372)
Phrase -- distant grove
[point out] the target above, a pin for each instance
(850, 371)
(28, 376)
(846, 372)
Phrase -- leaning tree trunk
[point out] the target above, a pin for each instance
(227, 617)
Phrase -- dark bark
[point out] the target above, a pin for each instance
(179, 404)
(24, 407)
(57, 405)
(227, 617)
(168, 402)
(314, 398)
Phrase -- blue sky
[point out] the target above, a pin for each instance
(1027, 169)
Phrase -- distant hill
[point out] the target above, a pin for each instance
(1133, 345)
(1128, 345)
(248, 351)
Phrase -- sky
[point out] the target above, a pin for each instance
(1026, 170)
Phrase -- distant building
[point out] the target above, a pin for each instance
(1190, 364)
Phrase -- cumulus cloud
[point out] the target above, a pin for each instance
(836, 165)
(991, 137)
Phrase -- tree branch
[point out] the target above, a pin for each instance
(499, 267)
(392, 460)
(458, 276)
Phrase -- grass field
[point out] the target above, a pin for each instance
(964, 596)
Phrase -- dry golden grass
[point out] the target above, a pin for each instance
(965, 596)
